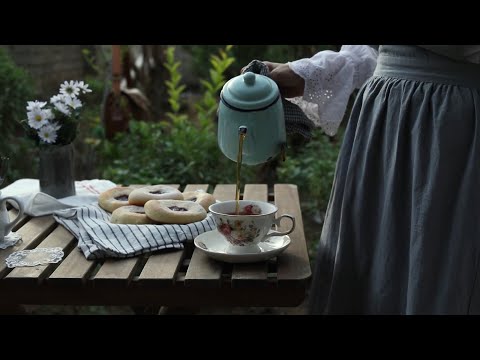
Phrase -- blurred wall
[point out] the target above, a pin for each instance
(50, 65)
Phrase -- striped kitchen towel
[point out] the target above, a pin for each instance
(99, 238)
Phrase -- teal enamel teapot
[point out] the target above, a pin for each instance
(250, 103)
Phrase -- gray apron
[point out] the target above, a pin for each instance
(402, 231)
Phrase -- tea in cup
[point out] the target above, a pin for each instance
(252, 225)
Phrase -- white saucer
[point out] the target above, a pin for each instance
(216, 246)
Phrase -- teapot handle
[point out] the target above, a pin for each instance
(10, 225)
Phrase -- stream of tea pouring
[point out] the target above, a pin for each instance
(242, 133)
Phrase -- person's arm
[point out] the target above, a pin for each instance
(322, 85)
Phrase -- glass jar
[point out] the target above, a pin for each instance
(56, 170)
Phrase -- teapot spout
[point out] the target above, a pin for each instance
(242, 130)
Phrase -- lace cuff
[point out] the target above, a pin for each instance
(330, 78)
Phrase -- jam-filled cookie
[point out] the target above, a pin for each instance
(114, 198)
(174, 211)
(200, 197)
(154, 192)
(131, 214)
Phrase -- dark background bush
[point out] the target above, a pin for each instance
(16, 89)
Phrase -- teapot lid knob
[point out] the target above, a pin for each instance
(249, 78)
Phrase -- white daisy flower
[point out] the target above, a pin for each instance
(69, 88)
(56, 126)
(56, 98)
(49, 114)
(82, 86)
(32, 105)
(48, 134)
(37, 118)
(73, 102)
(60, 106)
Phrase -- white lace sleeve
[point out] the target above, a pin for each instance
(330, 78)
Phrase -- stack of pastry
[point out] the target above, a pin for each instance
(156, 204)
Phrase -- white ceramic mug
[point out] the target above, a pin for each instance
(250, 226)
(5, 224)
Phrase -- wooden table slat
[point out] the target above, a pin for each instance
(162, 267)
(193, 187)
(257, 192)
(202, 269)
(73, 269)
(293, 263)
(60, 237)
(224, 192)
(117, 271)
(32, 233)
(254, 273)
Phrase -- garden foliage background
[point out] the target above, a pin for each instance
(178, 143)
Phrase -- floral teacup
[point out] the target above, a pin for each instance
(252, 225)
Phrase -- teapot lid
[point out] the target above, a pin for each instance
(250, 91)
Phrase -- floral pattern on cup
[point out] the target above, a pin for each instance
(252, 225)
(238, 232)
(250, 210)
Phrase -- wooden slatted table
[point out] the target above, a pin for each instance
(170, 278)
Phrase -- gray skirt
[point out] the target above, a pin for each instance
(402, 231)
